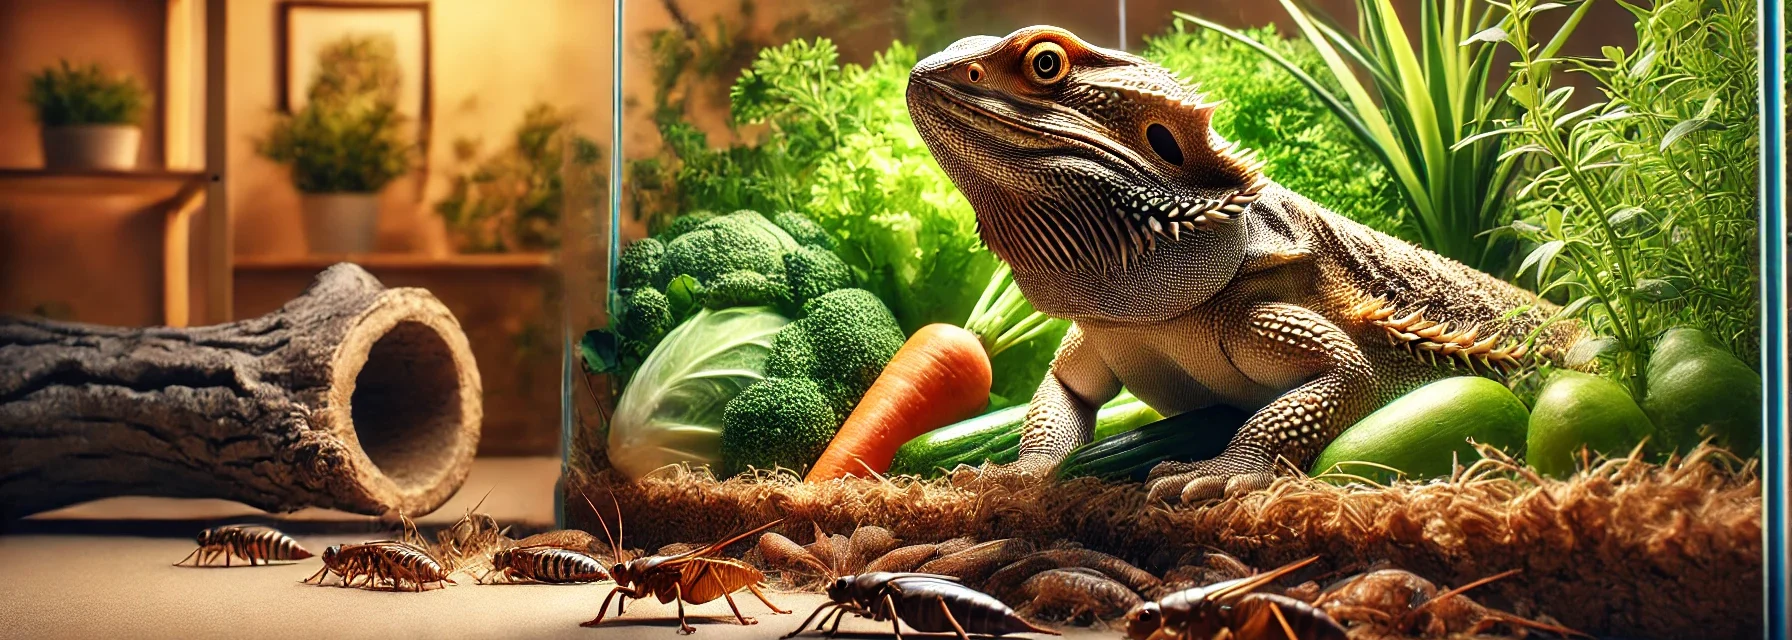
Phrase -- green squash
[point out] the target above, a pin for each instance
(1576, 410)
(1698, 389)
(1425, 432)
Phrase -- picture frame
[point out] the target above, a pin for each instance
(306, 26)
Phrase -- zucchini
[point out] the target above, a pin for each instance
(1195, 435)
(1423, 433)
(995, 437)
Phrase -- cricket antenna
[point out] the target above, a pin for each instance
(488, 494)
(618, 506)
(615, 549)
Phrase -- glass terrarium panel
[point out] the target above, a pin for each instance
(1464, 290)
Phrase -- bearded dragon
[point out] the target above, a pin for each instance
(1191, 278)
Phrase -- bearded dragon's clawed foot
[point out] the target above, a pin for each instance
(1192, 482)
(1026, 472)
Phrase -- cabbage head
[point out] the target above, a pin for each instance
(671, 411)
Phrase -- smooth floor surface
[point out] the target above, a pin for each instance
(61, 578)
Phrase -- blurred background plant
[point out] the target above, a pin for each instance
(70, 95)
(512, 199)
(349, 136)
(1428, 112)
(1304, 147)
(1643, 208)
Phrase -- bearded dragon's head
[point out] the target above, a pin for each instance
(1094, 173)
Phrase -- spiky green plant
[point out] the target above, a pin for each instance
(1428, 111)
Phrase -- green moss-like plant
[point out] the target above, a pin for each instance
(68, 95)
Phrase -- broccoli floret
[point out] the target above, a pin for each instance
(647, 317)
(813, 270)
(745, 289)
(803, 229)
(818, 369)
(776, 422)
(743, 240)
(684, 224)
(641, 265)
(850, 337)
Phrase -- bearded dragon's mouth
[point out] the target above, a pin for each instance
(978, 116)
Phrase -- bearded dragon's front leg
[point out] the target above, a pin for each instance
(1061, 416)
(1284, 346)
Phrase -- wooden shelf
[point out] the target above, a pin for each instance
(154, 185)
(397, 261)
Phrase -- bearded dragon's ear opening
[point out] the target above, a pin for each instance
(1164, 143)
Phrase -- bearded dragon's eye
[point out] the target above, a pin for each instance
(1046, 62)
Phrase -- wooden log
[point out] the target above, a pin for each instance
(351, 396)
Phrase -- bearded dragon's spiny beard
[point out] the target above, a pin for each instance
(1089, 167)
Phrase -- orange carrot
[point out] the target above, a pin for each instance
(940, 376)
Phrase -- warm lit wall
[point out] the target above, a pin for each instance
(491, 61)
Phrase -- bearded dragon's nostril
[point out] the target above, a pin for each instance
(974, 72)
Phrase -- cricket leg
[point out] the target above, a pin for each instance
(743, 619)
(602, 609)
(768, 603)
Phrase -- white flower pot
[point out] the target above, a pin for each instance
(341, 222)
(91, 147)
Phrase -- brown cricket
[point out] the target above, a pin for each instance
(1232, 607)
(927, 602)
(691, 576)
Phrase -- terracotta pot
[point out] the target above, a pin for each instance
(341, 222)
(91, 147)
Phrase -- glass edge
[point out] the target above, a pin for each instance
(1772, 229)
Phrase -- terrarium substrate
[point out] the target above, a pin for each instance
(1626, 548)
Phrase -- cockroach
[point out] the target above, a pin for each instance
(1233, 607)
(551, 565)
(250, 542)
(1402, 601)
(384, 561)
(691, 576)
(927, 602)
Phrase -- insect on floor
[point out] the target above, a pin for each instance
(60, 582)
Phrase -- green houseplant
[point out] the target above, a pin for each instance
(88, 117)
(512, 199)
(345, 144)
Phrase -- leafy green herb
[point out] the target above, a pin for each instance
(1644, 208)
(68, 95)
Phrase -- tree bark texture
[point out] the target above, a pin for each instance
(351, 396)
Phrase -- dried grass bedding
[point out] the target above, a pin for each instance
(1623, 548)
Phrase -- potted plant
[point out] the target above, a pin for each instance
(88, 117)
(345, 145)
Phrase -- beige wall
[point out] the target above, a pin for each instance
(490, 61)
